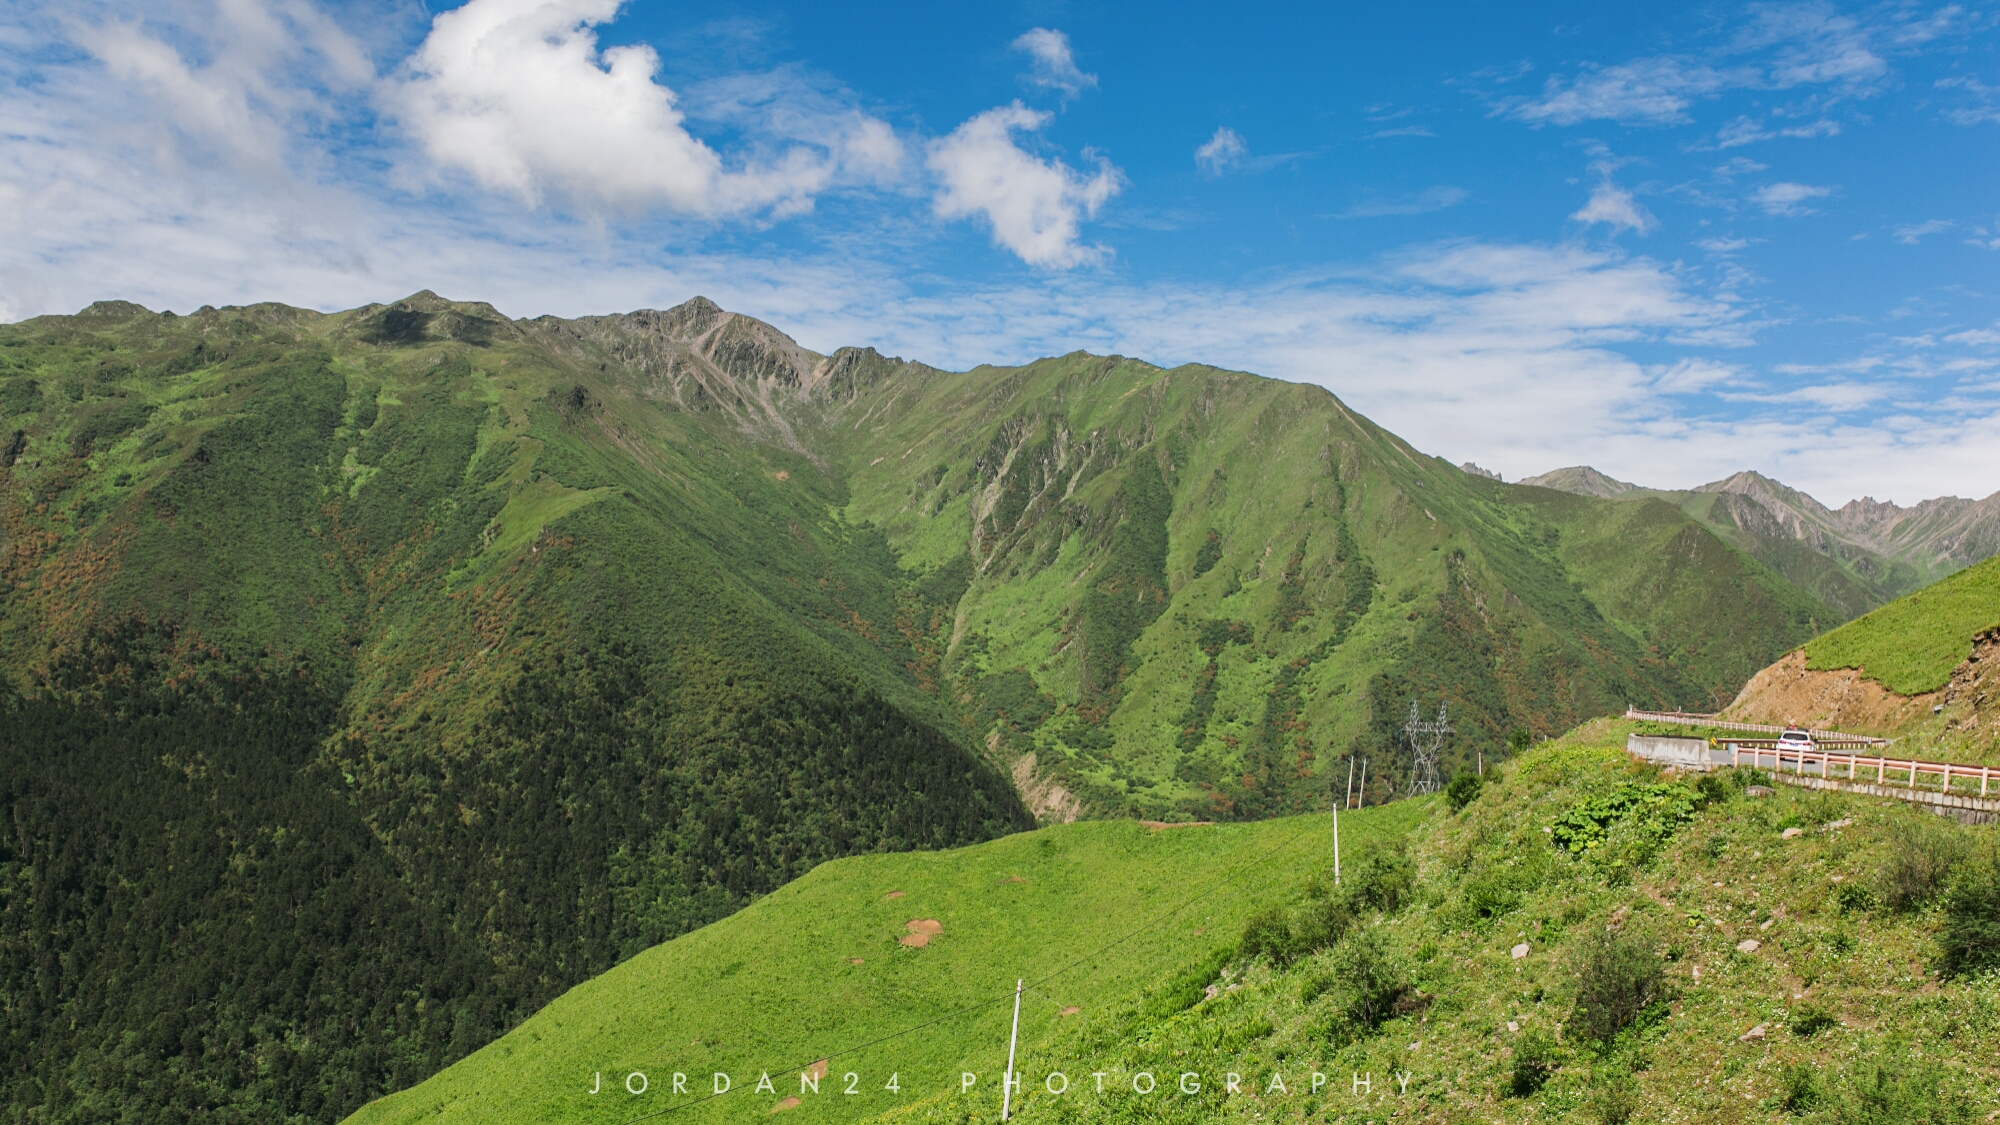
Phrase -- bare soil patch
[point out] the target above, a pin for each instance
(1161, 825)
(922, 930)
(1841, 699)
(1069, 1011)
(788, 1103)
(892, 894)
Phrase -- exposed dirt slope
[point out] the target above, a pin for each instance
(1844, 699)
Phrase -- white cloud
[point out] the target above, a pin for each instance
(1034, 206)
(1054, 64)
(1912, 233)
(1693, 374)
(1422, 203)
(517, 95)
(1747, 130)
(1788, 199)
(1782, 47)
(1723, 245)
(1221, 152)
(1655, 91)
(1403, 131)
(1612, 204)
(1981, 105)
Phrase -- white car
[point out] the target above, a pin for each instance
(1795, 739)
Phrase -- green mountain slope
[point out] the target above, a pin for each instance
(1585, 940)
(1853, 558)
(1911, 646)
(818, 968)
(568, 637)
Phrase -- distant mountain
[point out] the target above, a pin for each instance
(1855, 558)
(367, 679)
(1584, 481)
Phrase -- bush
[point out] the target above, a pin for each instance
(1712, 789)
(1370, 979)
(1853, 898)
(1463, 790)
(1809, 1020)
(1617, 979)
(1971, 938)
(1268, 933)
(1615, 1103)
(1900, 1090)
(1536, 1057)
(1518, 742)
(1921, 858)
(1798, 1086)
(1382, 879)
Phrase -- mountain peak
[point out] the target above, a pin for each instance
(1583, 481)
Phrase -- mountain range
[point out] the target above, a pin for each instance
(1855, 557)
(371, 678)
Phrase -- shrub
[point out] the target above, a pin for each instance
(1712, 789)
(1853, 898)
(1809, 1020)
(1615, 1103)
(1900, 1090)
(1651, 811)
(1971, 938)
(1617, 979)
(1518, 742)
(1383, 878)
(1798, 1086)
(1463, 790)
(1370, 978)
(1921, 858)
(1536, 1057)
(1268, 933)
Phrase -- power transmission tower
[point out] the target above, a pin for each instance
(1425, 740)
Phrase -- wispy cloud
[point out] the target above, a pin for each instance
(1404, 131)
(1221, 152)
(1788, 199)
(1054, 65)
(1780, 47)
(1914, 232)
(1749, 130)
(1981, 104)
(1423, 202)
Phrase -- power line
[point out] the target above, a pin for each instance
(1001, 999)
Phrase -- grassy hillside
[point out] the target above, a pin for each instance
(817, 968)
(1912, 645)
(1571, 947)
(568, 637)
(1191, 591)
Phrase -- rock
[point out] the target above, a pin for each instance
(1833, 824)
(1519, 951)
(1512, 1026)
(1754, 1033)
(1749, 945)
(1790, 833)
(1768, 923)
(1759, 791)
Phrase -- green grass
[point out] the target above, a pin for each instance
(1841, 984)
(775, 987)
(1912, 645)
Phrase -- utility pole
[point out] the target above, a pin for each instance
(1007, 1084)
(1336, 821)
(1364, 783)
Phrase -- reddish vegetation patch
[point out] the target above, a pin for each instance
(1157, 825)
(893, 894)
(921, 932)
(788, 1103)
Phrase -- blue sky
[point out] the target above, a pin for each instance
(1669, 241)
